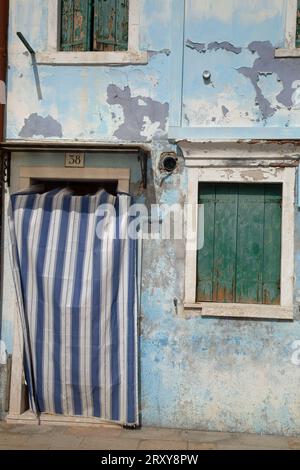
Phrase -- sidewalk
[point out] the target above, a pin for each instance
(31, 437)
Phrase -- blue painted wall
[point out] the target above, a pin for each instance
(195, 373)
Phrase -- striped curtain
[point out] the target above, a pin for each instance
(77, 297)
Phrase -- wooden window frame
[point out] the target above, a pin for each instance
(290, 49)
(53, 56)
(218, 169)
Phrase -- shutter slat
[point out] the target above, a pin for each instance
(225, 243)
(206, 254)
(122, 26)
(272, 244)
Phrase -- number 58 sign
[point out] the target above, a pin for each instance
(74, 160)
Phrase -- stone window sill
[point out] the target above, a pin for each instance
(92, 58)
(210, 309)
(293, 52)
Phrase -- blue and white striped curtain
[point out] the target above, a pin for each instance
(77, 296)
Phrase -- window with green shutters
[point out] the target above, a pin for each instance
(94, 25)
(298, 26)
(240, 261)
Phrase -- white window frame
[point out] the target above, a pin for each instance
(53, 56)
(290, 49)
(216, 164)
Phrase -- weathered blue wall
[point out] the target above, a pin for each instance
(251, 93)
(195, 373)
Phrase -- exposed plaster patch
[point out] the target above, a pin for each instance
(254, 175)
(287, 71)
(139, 113)
(167, 52)
(224, 46)
(197, 46)
(2, 92)
(213, 46)
(36, 125)
(225, 111)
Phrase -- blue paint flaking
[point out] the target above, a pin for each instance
(135, 113)
(287, 71)
(213, 46)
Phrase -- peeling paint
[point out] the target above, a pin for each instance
(213, 46)
(254, 175)
(197, 46)
(139, 112)
(36, 125)
(224, 46)
(225, 110)
(167, 52)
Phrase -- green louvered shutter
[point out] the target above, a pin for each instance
(241, 258)
(76, 24)
(298, 26)
(111, 25)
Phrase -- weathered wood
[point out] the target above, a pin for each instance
(242, 231)
(111, 19)
(76, 22)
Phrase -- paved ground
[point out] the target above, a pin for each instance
(21, 437)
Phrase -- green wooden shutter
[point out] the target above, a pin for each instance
(241, 257)
(76, 24)
(250, 241)
(111, 25)
(298, 26)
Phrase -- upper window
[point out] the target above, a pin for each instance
(94, 25)
(93, 32)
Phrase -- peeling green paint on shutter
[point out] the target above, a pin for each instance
(111, 25)
(298, 26)
(76, 23)
(250, 241)
(241, 257)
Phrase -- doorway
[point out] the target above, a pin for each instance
(83, 182)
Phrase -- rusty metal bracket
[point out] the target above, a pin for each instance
(5, 167)
(143, 159)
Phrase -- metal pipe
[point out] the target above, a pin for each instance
(26, 43)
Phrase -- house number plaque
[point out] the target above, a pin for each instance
(75, 160)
